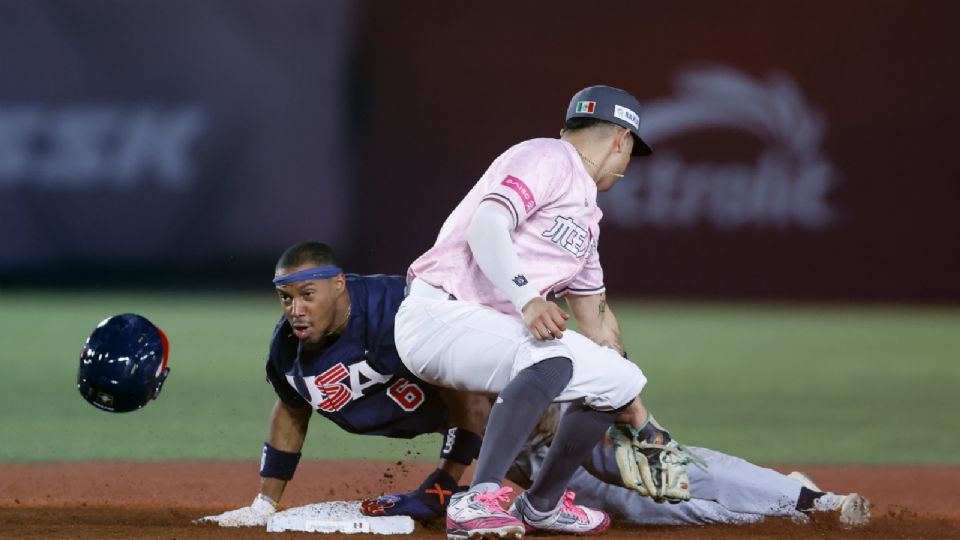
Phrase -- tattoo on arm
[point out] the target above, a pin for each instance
(603, 306)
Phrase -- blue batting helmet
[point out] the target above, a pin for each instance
(123, 363)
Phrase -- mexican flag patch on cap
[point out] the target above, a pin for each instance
(586, 106)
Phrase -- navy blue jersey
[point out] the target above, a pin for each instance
(358, 380)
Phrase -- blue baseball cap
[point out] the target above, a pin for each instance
(610, 105)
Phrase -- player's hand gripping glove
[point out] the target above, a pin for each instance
(428, 501)
(651, 463)
(255, 515)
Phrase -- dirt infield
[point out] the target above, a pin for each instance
(159, 500)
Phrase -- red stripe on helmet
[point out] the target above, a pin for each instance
(166, 346)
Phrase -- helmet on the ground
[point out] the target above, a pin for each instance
(123, 363)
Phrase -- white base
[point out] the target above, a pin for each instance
(337, 517)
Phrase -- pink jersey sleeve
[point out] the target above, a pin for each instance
(525, 178)
(589, 280)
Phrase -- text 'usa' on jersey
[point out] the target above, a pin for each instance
(358, 381)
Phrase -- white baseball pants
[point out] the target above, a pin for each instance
(467, 346)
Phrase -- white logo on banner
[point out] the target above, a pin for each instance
(79, 146)
(785, 186)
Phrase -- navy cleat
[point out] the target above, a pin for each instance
(428, 501)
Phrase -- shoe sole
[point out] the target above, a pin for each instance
(854, 511)
(504, 533)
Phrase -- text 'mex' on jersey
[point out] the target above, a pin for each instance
(358, 381)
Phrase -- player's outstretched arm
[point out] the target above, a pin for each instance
(650, 461)
(288, 430)
(281, 453)
(596, 320)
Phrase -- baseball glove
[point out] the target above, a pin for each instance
(651, 463)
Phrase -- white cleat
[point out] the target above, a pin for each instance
(854, 509)
(472, 515)
(566, 518)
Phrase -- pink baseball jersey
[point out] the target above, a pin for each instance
(553, 202)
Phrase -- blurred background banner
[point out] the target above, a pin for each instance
(802, 150)
(150, 138)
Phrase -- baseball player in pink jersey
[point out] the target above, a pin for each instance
(477, 319)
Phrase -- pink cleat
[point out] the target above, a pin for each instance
(566, 518)
(481, 515)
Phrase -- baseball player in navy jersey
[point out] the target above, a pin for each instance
(335, 355)
(333, 352)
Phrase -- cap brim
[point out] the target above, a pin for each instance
(640, 147)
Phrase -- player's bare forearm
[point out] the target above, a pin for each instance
(288, 429)
(596, 320)
(288, 426)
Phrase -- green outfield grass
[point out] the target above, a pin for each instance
(771, 383)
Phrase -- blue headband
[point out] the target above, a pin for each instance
(307, 274)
